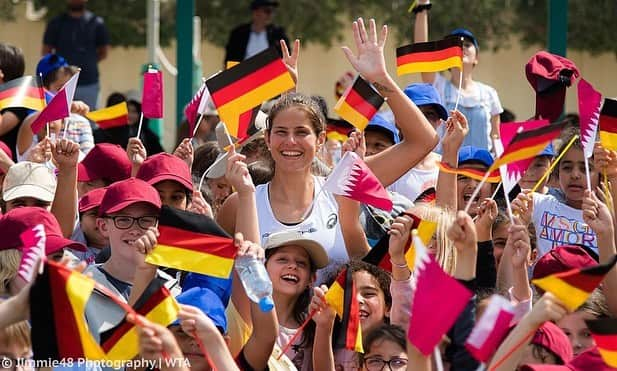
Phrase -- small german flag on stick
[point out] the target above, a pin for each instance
(359, 103)
(604, 333)
(110, 117)
(432, 56)
(25, 92)
(608, 124)
(573, 287)
(342, 298)
(494, 177)
(193, 243)
(247, 85)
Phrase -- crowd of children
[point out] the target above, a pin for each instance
(100, 203)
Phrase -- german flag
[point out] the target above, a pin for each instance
(428, 196)
(379, 255)
(574, 286)
(57, 306)
(604, 333)
(494, 177)
(426, 229)
(247, 85)
(121, 343)
(528, 144)
(110, 117)
(193, 243)
(342, 298)
(608, 124)
(338, 130)
(359, 103)
(432, 56)
(25, 92)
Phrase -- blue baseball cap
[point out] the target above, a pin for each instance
(423, 94)
(381, 124)
(220, 286)
(466, 34)
(208, 302)
(49, 63)
(470, 153)
(548, 151)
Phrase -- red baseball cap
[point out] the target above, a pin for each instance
(562, 259)
(104, 161)
(17, 221)
(91, 199)
(587, 360)
(127, 192)
(549, 76)
(164, 166)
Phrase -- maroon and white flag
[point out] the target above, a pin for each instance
(33, 241)
(353, 179)
(491, 329)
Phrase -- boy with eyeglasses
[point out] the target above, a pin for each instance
(128, 217)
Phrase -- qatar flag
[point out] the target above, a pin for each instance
(33, 249)
(353, 179)
(59, 106)
(491, 329)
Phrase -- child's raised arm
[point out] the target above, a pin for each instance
(323, 355)
(419, 136)
(597, 215)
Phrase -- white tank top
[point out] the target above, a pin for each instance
(321, 224)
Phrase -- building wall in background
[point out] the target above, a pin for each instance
(320, 68)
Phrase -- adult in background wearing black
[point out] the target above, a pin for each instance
(120, 135)
(12, 66)
(249, 39)
(81, 37)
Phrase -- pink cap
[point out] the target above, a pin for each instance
(91, 199)
(554, 339)
(587, 360)
(104, 161)
(127, 192)
(562, 259)
(164, 166)
(18, 220)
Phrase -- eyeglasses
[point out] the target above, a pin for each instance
(378, 364)
(126, 222)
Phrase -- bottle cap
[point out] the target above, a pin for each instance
(266, 304)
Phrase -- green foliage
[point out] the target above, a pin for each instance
(591, 24)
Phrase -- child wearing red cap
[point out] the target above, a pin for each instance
(128, 217)
(104, 164)
(87, 231)
(170, 176)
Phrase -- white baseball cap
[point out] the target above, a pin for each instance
(314, 249)
(29, 179)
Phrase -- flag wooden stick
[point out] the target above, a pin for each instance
(496, 191)
(460, 86)
(550, 169)
(66, 126)
(438, 360)
(298, 333)
(141, 121)
(204, 350)
(609, 200)
(201, 116)
(499, 362)
(476, 191)
(509, 207)
(203, 177)
(587, 174)
(481, 367)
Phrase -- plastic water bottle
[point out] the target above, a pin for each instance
(256, 281)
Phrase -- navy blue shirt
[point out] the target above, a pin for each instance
(76, 39)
